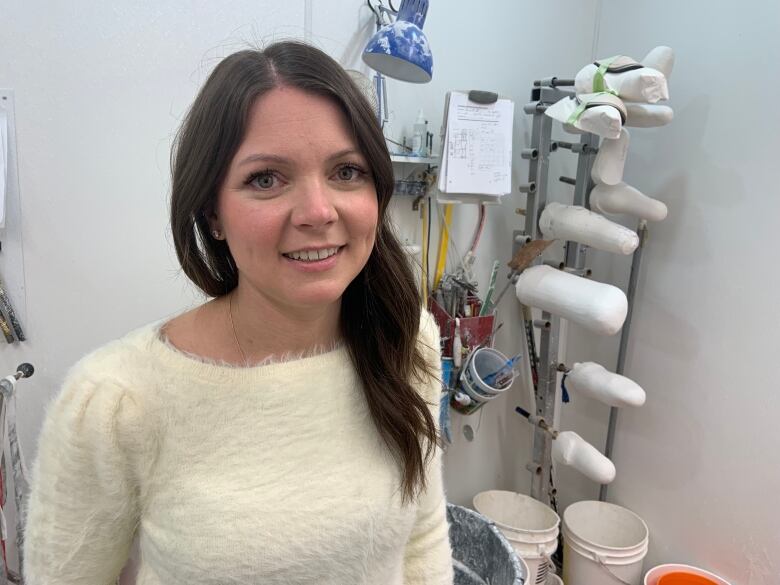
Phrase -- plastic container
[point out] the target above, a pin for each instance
(482, 363)
(655, 574)
(419, 134)
(529, 526)
(602, 543)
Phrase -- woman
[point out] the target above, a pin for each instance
(283, 432)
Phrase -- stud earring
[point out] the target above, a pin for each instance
(217, 234)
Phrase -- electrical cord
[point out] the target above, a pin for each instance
(480, 228)
(428, 249)
(368, 2)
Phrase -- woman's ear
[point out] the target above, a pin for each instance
(215, 225)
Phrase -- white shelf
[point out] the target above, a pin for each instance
(461, 198)
(420, 160)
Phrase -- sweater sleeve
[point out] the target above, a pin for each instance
(83, 506)
(428, 556)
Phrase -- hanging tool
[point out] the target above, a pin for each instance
(8, 423)
(521, 260)
(491, 289)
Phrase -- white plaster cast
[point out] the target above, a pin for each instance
(575, 223)
(622, 198)
(611, 159)
(648, 115)
(599, 307)
(572, 450)
(646, 84)
(661, 59)
(572, 129)
(605, 120)
(595, 381)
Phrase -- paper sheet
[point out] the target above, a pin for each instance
(477, 153)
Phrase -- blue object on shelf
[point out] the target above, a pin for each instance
(444, 415)
(444, 400)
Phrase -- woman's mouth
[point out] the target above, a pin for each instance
(313, 256)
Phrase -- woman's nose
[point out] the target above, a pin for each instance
(314, 205)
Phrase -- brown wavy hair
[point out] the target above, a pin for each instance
(380, 308)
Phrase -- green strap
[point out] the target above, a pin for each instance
(575, 115)
(599, 85)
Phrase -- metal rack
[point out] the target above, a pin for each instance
(545, 93)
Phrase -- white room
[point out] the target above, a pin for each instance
(584, 193)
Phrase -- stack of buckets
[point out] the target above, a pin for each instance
(603, 543)
(529, 526)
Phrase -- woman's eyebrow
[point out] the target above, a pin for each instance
(264, 158)
(342, 153)
(275, 158)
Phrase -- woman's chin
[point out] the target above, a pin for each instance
(316, 299)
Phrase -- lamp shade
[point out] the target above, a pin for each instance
(400, 50)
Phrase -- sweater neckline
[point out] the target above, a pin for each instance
(209, 368)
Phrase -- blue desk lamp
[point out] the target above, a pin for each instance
(399, 49)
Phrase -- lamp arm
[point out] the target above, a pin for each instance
(380, 11)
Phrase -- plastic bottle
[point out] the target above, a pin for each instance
(419, 134)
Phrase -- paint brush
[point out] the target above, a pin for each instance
(528, 253)
(525, 255)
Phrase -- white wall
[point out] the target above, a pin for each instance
(100, 88)
(699, 462)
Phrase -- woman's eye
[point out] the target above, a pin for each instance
(348, 173)
(263, 181)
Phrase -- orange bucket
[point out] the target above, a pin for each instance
(683, 578)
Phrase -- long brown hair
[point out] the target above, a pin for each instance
(380, 309)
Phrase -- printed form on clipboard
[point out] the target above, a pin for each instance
(477, 152)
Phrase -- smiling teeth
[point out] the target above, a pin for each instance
(311, 255)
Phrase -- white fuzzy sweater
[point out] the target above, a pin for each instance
(266, 475)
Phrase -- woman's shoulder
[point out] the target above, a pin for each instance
(429, 328)
(429, 345)
(105, 393)
(114, 377)
(120, 360)
(429, 337)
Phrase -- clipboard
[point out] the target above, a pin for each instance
(476, 157)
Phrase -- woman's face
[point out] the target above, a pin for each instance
(298, 207)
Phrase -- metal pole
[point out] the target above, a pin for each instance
(546, 404)
(632, 282)
(575, 252)
(541, 138)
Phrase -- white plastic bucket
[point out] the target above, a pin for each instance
(603, 544)
(654, 574)
(529, 526)
(553, 579)
(481, 363)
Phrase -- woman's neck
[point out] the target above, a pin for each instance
(262, 328)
